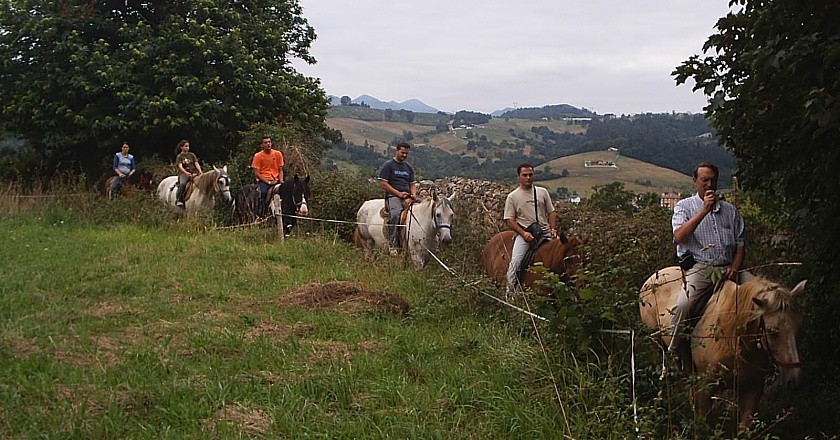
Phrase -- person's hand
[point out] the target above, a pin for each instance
(709, 200)
(553, 233)
(528, 236)
(731, 273)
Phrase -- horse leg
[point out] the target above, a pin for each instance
(749, 394)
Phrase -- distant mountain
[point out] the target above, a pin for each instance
(498, 113)
(414, 105)
(557, 111)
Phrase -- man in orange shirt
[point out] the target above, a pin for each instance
(268, 168)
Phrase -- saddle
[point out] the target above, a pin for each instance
(384, 213)
(188, 189)
(529, 255)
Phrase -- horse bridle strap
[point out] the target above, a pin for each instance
(764, 343)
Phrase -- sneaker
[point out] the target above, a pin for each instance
(394, 252)
(179, 204)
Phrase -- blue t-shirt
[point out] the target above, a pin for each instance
(399, 175)
(124, 163)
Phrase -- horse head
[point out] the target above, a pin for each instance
(146, 181)
(443, 214)
(779, 322)
(222, 184)
(299, 195)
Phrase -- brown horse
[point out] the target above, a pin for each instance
(560, 256)
(746, 332)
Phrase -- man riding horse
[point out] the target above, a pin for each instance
(709, 234)
(268, 169)
(396, 178)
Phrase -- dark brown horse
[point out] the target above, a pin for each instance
(746, 332)
(140, 180)
(561, 256)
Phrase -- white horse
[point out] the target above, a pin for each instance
(205, 186)
(427, 223)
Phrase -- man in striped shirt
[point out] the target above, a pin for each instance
(710, 231)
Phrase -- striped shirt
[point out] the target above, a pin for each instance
(717, 236)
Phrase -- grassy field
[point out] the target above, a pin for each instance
(120, 320)
(637, 176)
(126, 331)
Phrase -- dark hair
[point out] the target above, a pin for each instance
(524, 165)
(180, 144)
(708, 165)
(403, 145)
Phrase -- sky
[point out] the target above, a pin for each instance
(609, 56)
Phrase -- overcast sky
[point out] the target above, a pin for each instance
(608, 56)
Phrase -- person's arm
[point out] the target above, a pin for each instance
(117, 166)
(412, 188)
(514, 226)
(393, 191)
(737, 261)
(552, 223)
(197, 167)
(684, 232)
(181, 168)
(132, 166)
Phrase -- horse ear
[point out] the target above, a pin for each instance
(296, 178)
(306, 179)
(452, 197)
(799, 288)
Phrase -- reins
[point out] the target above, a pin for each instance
(764, 344)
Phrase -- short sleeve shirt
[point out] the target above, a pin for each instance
(268, 164)
(717, 236)
(188, 160)
(399, 174)
(519, 205)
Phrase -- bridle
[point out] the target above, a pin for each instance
(439, 226)
(223, 183)
(764, 344)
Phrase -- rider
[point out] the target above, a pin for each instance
(268, 169)
(520, 210)
(124, 167)
(396, 178)
(709, 234)
(189, 168)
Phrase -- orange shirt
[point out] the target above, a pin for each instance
(268, 164)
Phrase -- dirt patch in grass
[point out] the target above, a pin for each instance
(345, 296)
(277, 331)
(330, 350)
(106, 308)
(252, 421)
(21, 347)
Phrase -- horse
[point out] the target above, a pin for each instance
(561, 256)
(204, 186)
(140, 180)
(427, 223)
(294, 200)
(746, 332)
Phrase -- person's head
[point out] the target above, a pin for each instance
(705, 178)
(525, 172)
(124, 148)
(402, 151)
(183, 146)
(266, 143)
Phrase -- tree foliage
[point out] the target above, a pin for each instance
(773, 82)
(78, 76)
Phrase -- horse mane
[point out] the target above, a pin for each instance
(205, 181)
(737, 312)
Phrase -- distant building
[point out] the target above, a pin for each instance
(669, 199)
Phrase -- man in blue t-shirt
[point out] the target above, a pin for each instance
(396, 178)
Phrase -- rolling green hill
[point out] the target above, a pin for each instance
(492, 150)
(637, 176)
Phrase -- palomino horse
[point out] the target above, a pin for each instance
(746, 332)
(560, 256)
(427, 223)
(293, 194)
(140, 180)
(204, 187)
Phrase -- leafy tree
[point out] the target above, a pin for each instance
(774, 98)
(78, 76)
(346, 100)
(612, 197)
(389, 114)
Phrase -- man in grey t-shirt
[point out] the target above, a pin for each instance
(397, 179)
(525, 205)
